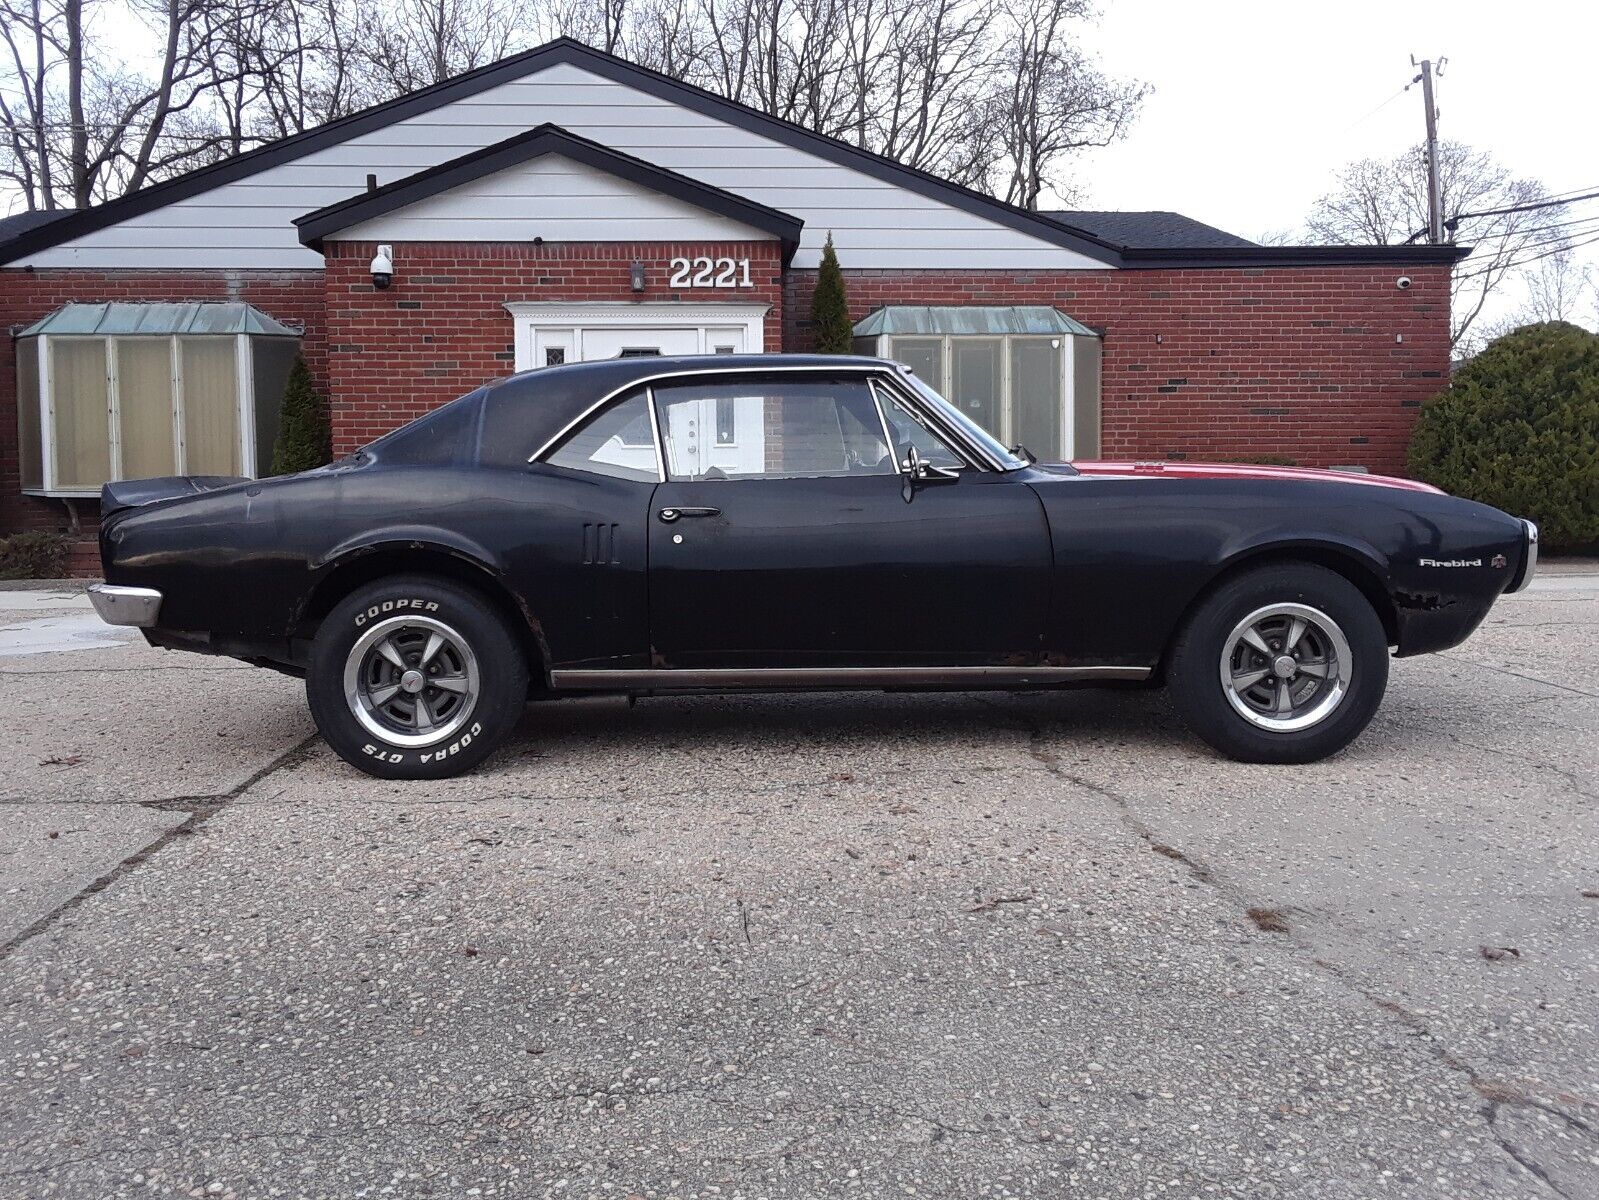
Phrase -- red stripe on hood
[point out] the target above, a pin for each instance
(1199, 470)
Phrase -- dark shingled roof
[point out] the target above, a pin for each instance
(19, 223)
(1149, 230)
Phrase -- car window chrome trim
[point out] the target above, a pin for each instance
(649, 381)
(832, 677)
(655, 432)
(976, 454)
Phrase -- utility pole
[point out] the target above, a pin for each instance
(1435, 200)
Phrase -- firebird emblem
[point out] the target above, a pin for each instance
(1500, 562)
(1450, 562)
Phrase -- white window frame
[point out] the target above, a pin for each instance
(883, 348)
(244, 365)
(565, 323)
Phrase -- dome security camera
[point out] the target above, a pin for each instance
(383, 267)
(1403, 283)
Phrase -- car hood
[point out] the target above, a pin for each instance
(1200, 470)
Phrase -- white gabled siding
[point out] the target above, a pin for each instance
(556, 199)
(248, 223)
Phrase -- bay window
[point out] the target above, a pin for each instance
(1028, 374)
(132, 391)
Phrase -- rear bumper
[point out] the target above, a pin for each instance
(1529, 558)
(119, 605)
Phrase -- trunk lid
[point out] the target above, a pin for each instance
(135, 493)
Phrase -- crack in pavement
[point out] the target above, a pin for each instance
(1497, 1095)
(1471, 662)
(200, 809)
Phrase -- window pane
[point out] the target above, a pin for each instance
(780, 428)
(271, 361)
(979, 371)
(144, 407)
(1085, 396)
(618, 442)
(1035, 395)
(925, 356)
(81, 412)
(29, 445)
(210, 407)
(909, 430)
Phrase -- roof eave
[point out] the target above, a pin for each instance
(1294, 256)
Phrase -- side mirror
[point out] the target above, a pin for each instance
(915, 471)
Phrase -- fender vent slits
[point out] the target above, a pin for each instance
(599, 545)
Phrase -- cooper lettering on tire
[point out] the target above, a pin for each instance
(415, 678)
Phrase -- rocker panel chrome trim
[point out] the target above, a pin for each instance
(832, 677)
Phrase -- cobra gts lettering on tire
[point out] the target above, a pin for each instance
(455, 747)
(388, 756)
(389, 606)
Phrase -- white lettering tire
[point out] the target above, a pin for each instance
(415, 677)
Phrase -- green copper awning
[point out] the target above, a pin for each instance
(968, 320)
(129, 319)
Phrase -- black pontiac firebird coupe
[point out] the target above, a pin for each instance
(647, 526)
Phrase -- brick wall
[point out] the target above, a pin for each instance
(441, 329)
(1221, 363)
(293, 297)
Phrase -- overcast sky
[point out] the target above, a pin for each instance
(1257, 105)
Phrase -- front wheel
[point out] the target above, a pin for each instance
(1282, 664)
(415, 678)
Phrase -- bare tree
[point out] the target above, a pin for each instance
(1559, 288)
(1384, 202)
(993, 94)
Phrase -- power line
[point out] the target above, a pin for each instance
(1510, 266)
(1515, 208)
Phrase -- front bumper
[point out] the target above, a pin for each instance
(119, 605)
(1529, 559)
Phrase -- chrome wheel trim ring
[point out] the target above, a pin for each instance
(381, 684)
(1255, 667)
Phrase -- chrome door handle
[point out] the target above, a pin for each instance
(671, 514)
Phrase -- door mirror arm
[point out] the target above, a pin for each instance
(915, 471)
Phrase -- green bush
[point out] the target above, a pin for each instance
(305, 436)
(830, 307)
(1518, 428)
(34, 555)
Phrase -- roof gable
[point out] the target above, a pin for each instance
(562, 51)
(539, 143)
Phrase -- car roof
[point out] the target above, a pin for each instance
(523, 412)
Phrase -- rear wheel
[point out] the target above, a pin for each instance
(415, 678)
(1282, 664)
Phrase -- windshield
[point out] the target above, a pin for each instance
(965, 424)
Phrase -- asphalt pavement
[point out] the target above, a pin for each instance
(853, 944)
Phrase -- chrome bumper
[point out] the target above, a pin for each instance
(125, 605)
(1531, 567)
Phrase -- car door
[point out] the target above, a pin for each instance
(785, 536)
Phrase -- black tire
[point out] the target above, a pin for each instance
(482, 673)
(1212, 710)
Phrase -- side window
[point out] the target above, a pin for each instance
(617, 442)
(773, 428)
(908, 429)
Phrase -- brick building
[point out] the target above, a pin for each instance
(564, 205)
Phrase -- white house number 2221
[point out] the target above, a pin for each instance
(710, 273)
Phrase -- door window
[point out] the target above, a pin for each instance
(774, 429)
(617, 442)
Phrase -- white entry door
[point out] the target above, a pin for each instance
(548, 335)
